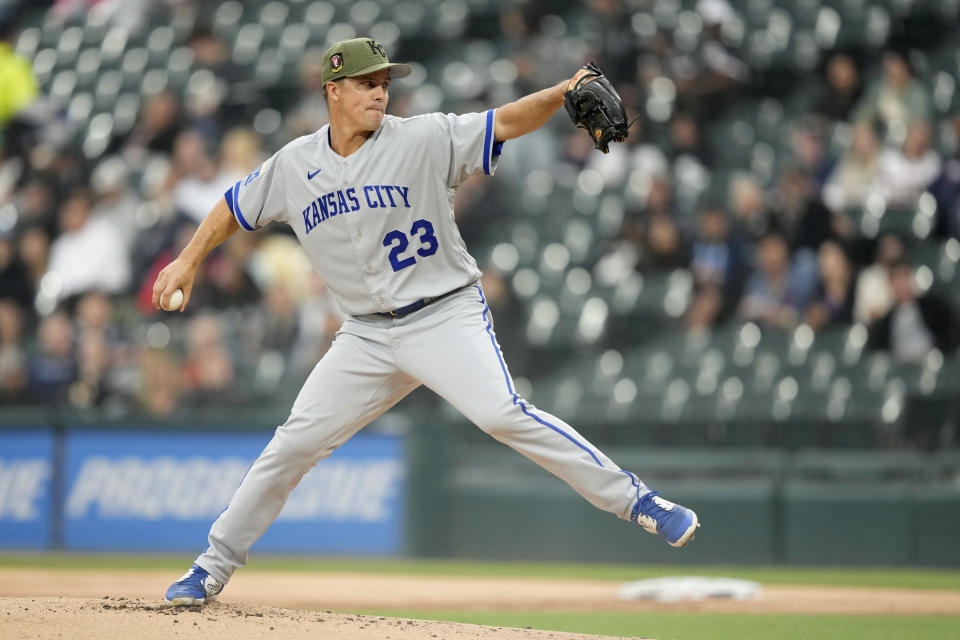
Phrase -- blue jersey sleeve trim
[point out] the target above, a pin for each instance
(487, 142)
(234, 205)
(498, 147)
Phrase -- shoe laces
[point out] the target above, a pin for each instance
(649, 509)
(201, 576)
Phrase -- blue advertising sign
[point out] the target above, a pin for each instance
(157, 491)
(26, 472)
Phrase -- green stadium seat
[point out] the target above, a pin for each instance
(80, 108)
(294, 41)
(226, 20)
(28, 42)
(133, 65)
(273, 18)
(318, 16)
(160, 43)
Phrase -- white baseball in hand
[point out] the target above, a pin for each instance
(176, 299)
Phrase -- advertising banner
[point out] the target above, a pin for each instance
(161, 491)
(26, 473)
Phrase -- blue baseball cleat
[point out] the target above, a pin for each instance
(675, 523)
(195, 587)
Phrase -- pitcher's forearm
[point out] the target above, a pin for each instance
(529, 113)
(215, 229)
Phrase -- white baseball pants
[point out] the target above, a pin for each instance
(450, 347)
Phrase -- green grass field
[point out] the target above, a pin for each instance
(834, 576)
(662, 626)
(704, 626)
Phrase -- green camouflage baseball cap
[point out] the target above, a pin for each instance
(357, 57)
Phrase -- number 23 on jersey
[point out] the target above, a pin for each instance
(422, 230)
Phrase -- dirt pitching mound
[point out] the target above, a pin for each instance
(144, 619)
(359, 591)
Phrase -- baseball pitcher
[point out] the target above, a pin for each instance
(370, 198)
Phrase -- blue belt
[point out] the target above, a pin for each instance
(414, 306)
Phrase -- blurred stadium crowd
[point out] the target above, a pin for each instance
(779, 232)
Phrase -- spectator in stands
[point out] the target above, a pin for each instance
(36, 204)
(195, 177)
(808, 151)
(235, 98)
(15, 284)
(320, 318)
(917, 323)
(11, 171)
(719, 267)
(855, 176)
(897, 99)
(841, 90)
(778, 290)
(89, 253)
(649, 240)
(748, 204)
(309, 112)
(660, 197)
(874, 295)
(93, 367)
(280, 321)
(116, 202)
(477, 206)
(52, 366)
(686, 143)
(13, 363)
(796, 212)
(623, 255)
(160, 383)
(711, 75)
(946, 189)
(156, 129)
(34, 252)
(16, 77)
(647, 161)
(833, 301)
(94, 316)
(208, 371)
(241, 152)
(664, 248)
(227, 281)
(689, 156)
(904, 173)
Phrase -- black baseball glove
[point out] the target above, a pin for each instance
(594, 104)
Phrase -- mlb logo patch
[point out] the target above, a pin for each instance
(336, 62)
(253, 176)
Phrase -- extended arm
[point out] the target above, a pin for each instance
(180, 274)
(528, 113)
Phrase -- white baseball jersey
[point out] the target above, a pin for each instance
(377, 225)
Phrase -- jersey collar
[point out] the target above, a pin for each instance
(367, 143)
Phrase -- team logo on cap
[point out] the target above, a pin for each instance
(376, 48)
(336, 62)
